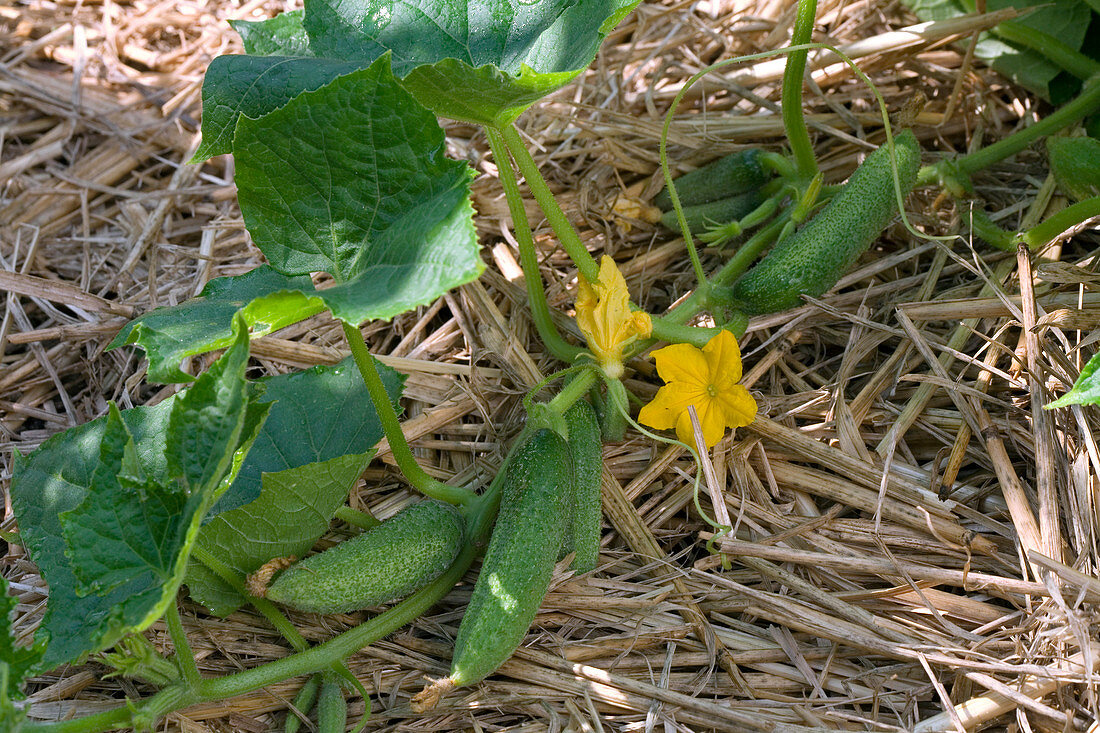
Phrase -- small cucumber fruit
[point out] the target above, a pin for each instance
(303, 703)
(736, 173)
(714, 213)
(1075, 163)
(812, 259)
(400, 555)
(586, 450)
(519, 563)
(332, 707)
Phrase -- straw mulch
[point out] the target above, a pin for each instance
(912, 531)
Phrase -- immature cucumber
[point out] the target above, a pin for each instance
(813, 259)
(586, 450)
(519, 563)
(714, 213)
(736, 173)
(403, 553)
(332, 707)
(1075, 163)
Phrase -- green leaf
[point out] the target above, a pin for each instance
(17, 663)
(254, 86)
(479, 60)
(266, 299)
(283, 35)
(352, 180)
(112, 562)
(1066, 20)
(316, 442)
(1086, 390)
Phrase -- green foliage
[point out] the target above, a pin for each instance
(1086, 390)
(351, 180)
(265, 298)
(318, 439)
(17, 663)
(473, 60)
(109, 510)
(1066, 20)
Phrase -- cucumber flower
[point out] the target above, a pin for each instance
(706, 378)
(605, 318)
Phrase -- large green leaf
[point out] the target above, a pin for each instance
(316, 442)
(479, 60)
(351, 180)
(112, 561)
(265, 298)
(1066, 20)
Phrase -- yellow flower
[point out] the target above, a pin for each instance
(605, 318)
(706, 378)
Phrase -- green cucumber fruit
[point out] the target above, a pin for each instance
(303, 703)
(1075, 163)
(811, 260)
(518, 566)
(706, 216)
(736, 173)
(332, 707)
(400, 555)
(586, 450)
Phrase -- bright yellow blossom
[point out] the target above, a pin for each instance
(605, 318)
(706, 378)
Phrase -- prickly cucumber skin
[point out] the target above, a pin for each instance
(586, 450)
(519, 563)
(714, 213)
(404, 553)
(736, 173)
(812, 260)
(332, 709)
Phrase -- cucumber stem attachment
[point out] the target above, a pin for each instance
(391, 426)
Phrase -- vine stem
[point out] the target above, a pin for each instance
(391, 426)
(1083, 104)
(185, 658)
(567, 235)
(528, 260)
(791, 97)
(1063, 221)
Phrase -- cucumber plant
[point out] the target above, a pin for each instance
(217, 478)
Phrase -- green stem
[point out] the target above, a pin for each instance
(1083, 104)
(122, 717)
(573, 391)
(791, 98)
(1064, 220)
(1048, 46)
(391, 426)
(528, 260)
(185, 658)
(567, 235)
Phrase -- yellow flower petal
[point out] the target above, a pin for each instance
(705, 379)
(723, 356)
(682, 363)
(738, 407)
(671, 401)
